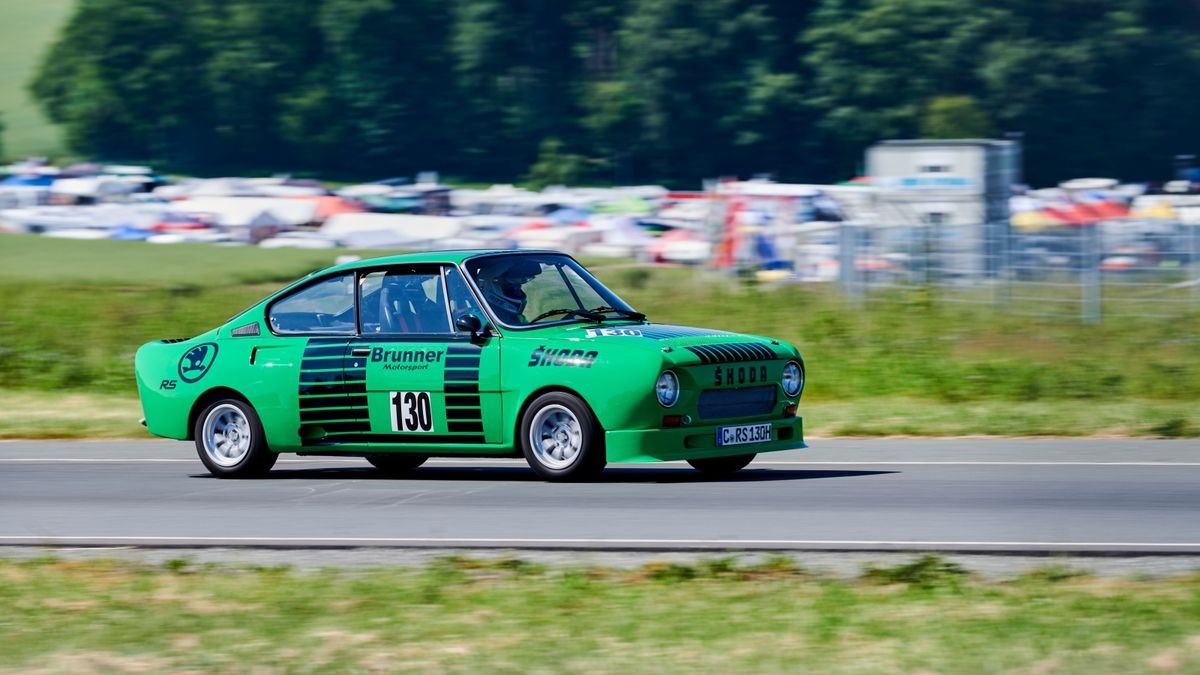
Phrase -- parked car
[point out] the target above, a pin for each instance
(476, 354)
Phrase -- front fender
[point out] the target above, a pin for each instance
(616, 381)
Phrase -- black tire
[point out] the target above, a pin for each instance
(239, 452)
(568, 425)
(396, 463)
(721, 466)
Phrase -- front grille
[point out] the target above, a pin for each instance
(718, 404)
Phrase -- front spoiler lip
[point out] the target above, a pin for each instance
(671, 443)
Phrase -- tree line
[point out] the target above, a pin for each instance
(623, 90)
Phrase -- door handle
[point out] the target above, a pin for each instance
(360, 351)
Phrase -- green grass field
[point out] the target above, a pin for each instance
(463, 615)
(75, 312)
(27, 28)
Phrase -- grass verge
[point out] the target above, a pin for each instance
(39, 414)
(459, 614)
(899, 363)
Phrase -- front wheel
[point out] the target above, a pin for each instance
(721, 466)
(396, 463)
(560, 438)
(231, 442)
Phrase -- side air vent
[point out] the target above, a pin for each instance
(247, 330)
(171, 341)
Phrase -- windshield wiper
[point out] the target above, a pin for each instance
(625, 313)
(589, 314)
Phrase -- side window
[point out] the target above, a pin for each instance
(461, 300)
(324, 307)
(402, 301)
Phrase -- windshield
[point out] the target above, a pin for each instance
(523, 290)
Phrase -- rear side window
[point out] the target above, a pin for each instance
(403, 301)
(326, 306)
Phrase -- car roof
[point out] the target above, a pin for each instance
(454, 257)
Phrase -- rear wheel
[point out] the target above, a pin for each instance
(396, 463)
(721, 466)
(231, 442)
(560, 438)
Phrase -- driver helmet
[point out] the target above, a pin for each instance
(501, 284)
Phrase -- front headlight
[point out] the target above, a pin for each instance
(667, 389)
(793, 379)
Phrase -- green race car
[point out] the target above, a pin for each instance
(468, 354)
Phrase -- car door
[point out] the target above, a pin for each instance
(427, 384)
(308, 397)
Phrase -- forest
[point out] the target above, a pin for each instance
(622, 91)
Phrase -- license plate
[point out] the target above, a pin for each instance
(746, 433)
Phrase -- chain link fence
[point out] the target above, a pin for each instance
(1114, 269)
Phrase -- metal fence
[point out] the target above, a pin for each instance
(1145, 268)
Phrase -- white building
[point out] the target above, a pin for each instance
(958, 189)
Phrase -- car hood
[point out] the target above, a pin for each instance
(685, 345)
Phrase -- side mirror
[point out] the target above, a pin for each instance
(469, 323)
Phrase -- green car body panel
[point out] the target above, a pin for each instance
(337, 393)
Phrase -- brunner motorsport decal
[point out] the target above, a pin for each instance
(196, 362)
(576, 358)
(333, 395)
(406, 359)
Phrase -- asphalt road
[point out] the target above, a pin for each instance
(967, 495)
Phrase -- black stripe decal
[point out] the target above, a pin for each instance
(716, 354)
(728, 355)
(462, 361)
(463, 350)
(330, 376)
(462, 401)
(463, 414)
(334, 363)
(744, 352)
(335, 427)
(462, 376)
(318, 352)
(667, 333)
(328, 389)
(732, 352)
(465, 426)
(333, 414)
(313, 402)
(462, 387)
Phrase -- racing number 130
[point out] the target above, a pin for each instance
(411, 411)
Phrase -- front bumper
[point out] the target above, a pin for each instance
(696, 442)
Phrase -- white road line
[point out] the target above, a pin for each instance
(451, 541)
(516, 462)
